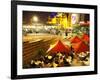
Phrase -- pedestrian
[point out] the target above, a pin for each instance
(72, 53)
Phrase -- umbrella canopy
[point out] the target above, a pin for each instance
(80, 47)
(59, 47)
(75, 39)
(85, 37)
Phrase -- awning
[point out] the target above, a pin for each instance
(80, 47)
(75, 39)
(59, 47)
(85, 38)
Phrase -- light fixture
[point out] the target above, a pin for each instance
(35, 18)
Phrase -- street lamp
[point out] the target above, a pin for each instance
(35, 18)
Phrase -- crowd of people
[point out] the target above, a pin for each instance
(58, 60)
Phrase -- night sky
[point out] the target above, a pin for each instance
(42, 16)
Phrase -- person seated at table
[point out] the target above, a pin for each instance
(41, 64)
(55, 64)
(60, 61)
(69, 59)
(32, 64)
(66, 62)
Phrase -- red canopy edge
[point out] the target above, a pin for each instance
(80, 47)
(86, 38)
(75, 39)
(59, 47)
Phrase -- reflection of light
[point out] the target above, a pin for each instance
(81, 22)
(52, 45)
(84, 23)
(49, 57)
(35, 18)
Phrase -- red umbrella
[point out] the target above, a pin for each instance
(80, 47)
(85, 38)
(59, 47)
(75, 39)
